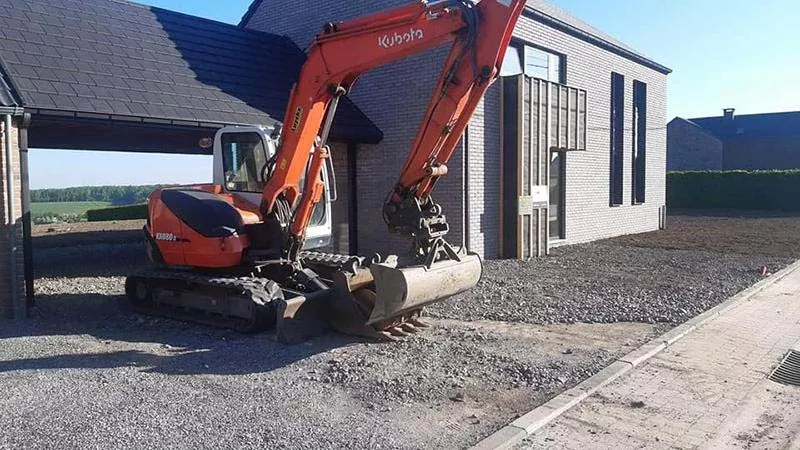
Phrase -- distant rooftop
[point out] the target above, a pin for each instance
(733, 126)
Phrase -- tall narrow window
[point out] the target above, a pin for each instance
(617, 136)
(639, 177)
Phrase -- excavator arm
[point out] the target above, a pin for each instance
(479, 33)
(267, 274)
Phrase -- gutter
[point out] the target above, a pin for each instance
(11, 111)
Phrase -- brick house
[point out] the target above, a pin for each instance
(595, 169)
(734, 142)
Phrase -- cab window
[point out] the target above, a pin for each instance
(244, 157)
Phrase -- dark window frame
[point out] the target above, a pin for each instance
(617, 141)
(639, 144)
(562, 196)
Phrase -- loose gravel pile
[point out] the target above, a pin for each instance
(607, 283)
(86, 372)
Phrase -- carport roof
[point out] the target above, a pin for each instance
(123, 61)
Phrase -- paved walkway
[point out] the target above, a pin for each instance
(708, 390)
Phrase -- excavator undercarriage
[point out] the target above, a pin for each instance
(345, 299)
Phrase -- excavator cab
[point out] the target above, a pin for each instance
(241, 155)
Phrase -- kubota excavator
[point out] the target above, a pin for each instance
(237, 253)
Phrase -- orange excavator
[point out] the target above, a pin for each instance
(239, 253)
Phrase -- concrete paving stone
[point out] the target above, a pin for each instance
(605, 376)
(507, 437)
(537, 418)
(644, 352)
(707, 390)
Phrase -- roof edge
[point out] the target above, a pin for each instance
(540, 16)
(9, 92)
(695, 125)
(776, 113)
(249, 13)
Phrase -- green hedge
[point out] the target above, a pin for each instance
(767, 190)
(129, 212)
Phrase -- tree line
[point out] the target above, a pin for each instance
(116, 195)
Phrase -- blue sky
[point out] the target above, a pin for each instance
(724, 53)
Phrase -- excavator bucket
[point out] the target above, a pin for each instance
(403, 290)
(384, 301)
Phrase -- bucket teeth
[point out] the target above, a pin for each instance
(397, 331)
(409, 328)
(388, 336)
(418, 323)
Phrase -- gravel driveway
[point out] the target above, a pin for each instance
(86, 372)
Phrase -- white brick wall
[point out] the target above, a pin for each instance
(588, 214)
(395, 97)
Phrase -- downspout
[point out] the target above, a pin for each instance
(465, 179)
(12, 223)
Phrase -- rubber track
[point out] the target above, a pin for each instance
(258, 290)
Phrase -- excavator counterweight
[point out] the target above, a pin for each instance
(240, 252)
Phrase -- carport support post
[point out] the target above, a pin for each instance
(27, 239)
(12, 301)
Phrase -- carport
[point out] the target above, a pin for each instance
(117, 76)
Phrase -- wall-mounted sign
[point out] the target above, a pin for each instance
(539, 199)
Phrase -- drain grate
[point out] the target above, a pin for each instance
(788, 371)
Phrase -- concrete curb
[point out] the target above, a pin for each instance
(535, 419)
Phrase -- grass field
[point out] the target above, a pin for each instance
(58, 209)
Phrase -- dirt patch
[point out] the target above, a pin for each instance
(745, 233)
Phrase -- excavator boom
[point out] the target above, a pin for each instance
(479, 33)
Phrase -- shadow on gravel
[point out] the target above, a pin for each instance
(91, 260)
(71, 239)
(156, 345)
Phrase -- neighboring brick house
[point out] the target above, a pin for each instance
(692, 147)
(735, 142)
(593, 192)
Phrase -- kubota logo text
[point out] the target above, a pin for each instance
(389, 41)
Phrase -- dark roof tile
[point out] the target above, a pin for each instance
(63, 102)
(44, 87)
(62, 88)
(41, 99)
(121, 58)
